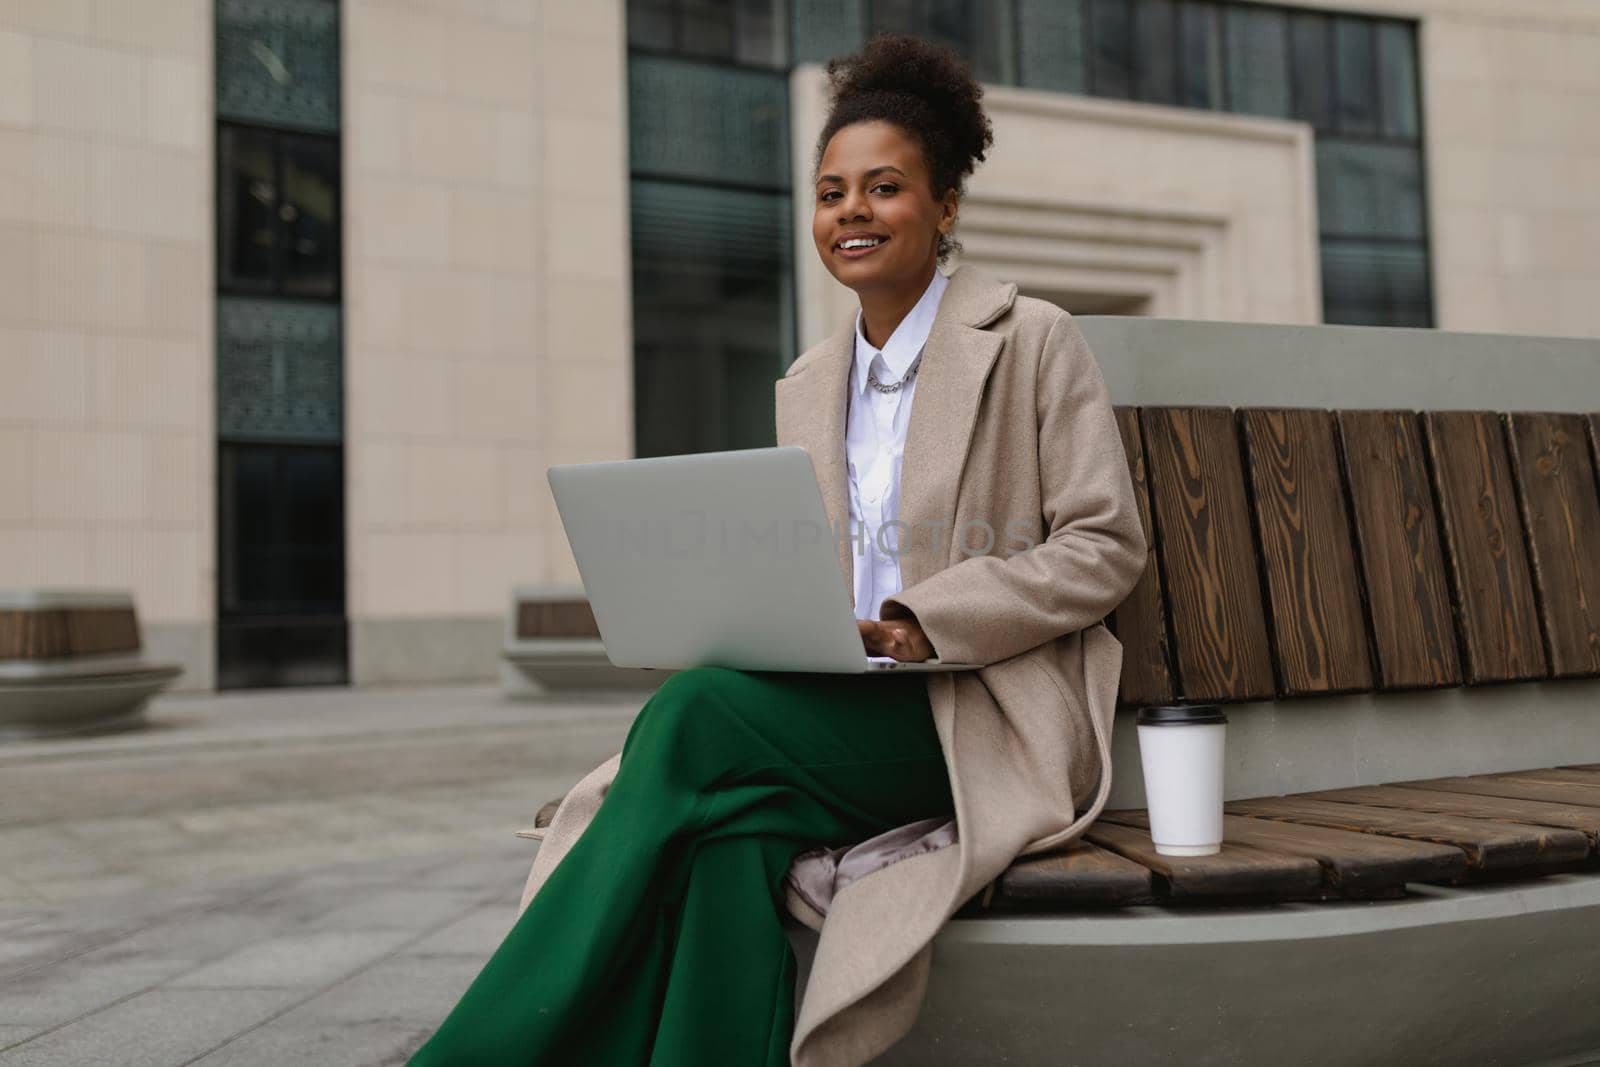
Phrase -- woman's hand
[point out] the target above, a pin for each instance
(901, 639)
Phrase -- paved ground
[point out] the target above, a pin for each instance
(306, 877)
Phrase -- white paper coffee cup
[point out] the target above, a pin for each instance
(1181, 750)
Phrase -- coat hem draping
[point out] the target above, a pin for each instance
(1012, 426)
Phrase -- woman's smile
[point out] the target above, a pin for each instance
(856, 245)
(876, 222)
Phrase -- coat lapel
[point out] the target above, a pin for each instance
(811, 411)
(944, 409)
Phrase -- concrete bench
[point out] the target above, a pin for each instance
(1379, 548)
(71, 660)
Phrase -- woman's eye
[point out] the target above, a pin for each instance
(885, 185)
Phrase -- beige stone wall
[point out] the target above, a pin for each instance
(106, 297)
(1511, 114)
(487, 302)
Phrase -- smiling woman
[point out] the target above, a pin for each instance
(905, 130)
(653, 930)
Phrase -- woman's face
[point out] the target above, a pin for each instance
(873, 182)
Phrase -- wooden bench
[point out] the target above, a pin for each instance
(1298, 553)
(1401, 606)
(72, 660)
(553, 644)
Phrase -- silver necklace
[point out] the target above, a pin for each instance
(872, 379)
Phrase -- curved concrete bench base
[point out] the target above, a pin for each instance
(40, 703)
(575, 663)
(1501, 974)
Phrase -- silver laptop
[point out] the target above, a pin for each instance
(715, 559)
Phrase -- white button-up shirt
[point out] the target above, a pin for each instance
(875, 440)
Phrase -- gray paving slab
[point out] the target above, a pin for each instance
(272, 878)
(299, 961)
(155, 1029)
(11, 1034)
(297, 1040)
(507, 867)
(476, 934)
(78, 986)
(402, 909)
(397, 990)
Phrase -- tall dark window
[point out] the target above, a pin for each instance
(1371, 200)
(979, 31)
(711, 232)
(279, 368)
(740, 31)
(281, 584)
(278, 212)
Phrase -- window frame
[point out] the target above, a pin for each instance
(228, 284)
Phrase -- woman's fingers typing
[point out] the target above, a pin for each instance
(901, 639)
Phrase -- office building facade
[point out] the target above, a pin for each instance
(299, 298)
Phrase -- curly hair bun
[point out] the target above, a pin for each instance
(924, 88)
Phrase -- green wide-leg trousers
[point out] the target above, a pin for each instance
(658, 937)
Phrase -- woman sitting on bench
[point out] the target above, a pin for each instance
(972, 422)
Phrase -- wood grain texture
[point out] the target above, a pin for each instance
(1238, 871)
(1353, 864)
(1218, 631)
(556, 618)
(1561, 513)
(1489, 845)
(1397, 538)
(1081, 874)
(1317, 622)
(1140, 621)
(1494, 785)
(1484, 547)
(1584, 776)
(1503, 809)
(1593, 422)
(58, 633)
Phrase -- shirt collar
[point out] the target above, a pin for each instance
(906, 340)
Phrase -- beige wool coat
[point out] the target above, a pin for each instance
(1011, 430)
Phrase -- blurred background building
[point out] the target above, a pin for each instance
(299, 298)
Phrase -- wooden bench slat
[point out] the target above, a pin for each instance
(1397, 536)
(556, 618)
(1593, 423)
(1489, 845)
(1236, 871)
(1140, 621)
(1516, 788)
(1352, 863)
(57, 633)
(1082, 874)
(1476, 806)
(1584, 776)
(1484, 546)
(1318, 627)
(1561, 512)
(1219, 636)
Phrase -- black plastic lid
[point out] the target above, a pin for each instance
(1181, 715)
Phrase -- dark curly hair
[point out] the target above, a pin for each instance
(926, 90)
